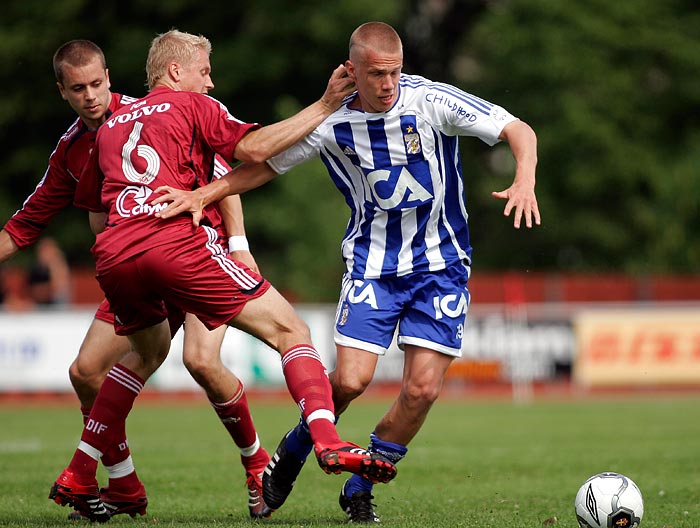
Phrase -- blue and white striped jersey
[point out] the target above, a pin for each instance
(401, 175)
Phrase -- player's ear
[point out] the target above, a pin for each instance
(350, 68)
(174, 71)
(109, 84)
(62, 90)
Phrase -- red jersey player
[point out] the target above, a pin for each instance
(144, 261)
(83, 81)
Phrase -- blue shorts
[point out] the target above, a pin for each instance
(428, 309)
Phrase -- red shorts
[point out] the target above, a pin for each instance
(195, 274)
(176, 317)
(104, 312)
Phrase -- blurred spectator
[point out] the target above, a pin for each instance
(49, 277)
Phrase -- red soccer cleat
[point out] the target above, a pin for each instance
(256, 505)
(118, 503)
(349, 457)
(84, 498)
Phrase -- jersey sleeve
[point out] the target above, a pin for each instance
(221, 167)
(88, 194)
(53, 194)
(458, 113)
(221, 129)
(305, 149)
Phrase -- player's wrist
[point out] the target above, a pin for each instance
(238, 243)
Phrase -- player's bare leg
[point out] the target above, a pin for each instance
(272, 319)
(423, 374)
(424, 371)
(202, 358)
(77, 484)
(100, 350)
(352, 375)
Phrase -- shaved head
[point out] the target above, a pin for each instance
(377, 36)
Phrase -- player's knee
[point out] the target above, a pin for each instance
(292, 332)
(85, 379)
(349, 387)
(420, 394)
(200, 366)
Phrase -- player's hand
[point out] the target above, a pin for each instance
(339, 87)
(521, 198)
(246, 257)
(181, 201)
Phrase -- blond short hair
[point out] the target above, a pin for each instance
(173, 46)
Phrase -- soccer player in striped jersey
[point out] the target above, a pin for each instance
(392, 150)
(83, 81)
(144, 261)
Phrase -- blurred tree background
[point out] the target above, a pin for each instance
(611, 88)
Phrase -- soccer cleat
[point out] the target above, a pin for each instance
(351, 457)
(256, 505)
(280, 475)
(85, 499)
(118, 503)
(359, 507)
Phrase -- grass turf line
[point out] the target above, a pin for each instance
(474, 464)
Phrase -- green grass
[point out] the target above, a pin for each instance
(474, 464)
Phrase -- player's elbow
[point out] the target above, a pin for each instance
(252, 150)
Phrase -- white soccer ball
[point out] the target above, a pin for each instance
(609, 500)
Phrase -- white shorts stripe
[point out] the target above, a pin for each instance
(238, 274)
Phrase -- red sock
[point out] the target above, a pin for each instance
(118, 450)
(307, 381)
(117, 461)
(107, 418)
(235, 415)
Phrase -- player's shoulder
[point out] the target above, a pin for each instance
(119, 100)
(415, 85)
(74, 130)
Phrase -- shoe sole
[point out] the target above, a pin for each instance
(132, 511)
(257, 511)
(64, 498)
(374, 468)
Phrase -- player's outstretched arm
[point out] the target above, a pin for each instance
(520, 195)
(263, 143)
(241, 179)
(7, 246)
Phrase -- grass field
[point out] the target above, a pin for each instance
(474, 464)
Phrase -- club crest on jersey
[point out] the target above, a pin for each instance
(344, 315)
(412, 141)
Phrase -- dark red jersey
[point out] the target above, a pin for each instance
(166, 138)
(56, 189)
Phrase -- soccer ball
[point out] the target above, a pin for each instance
(609, 500)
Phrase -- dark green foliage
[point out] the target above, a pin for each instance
(610, 88)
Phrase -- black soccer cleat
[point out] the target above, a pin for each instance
(280, 475)
(359, 508)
